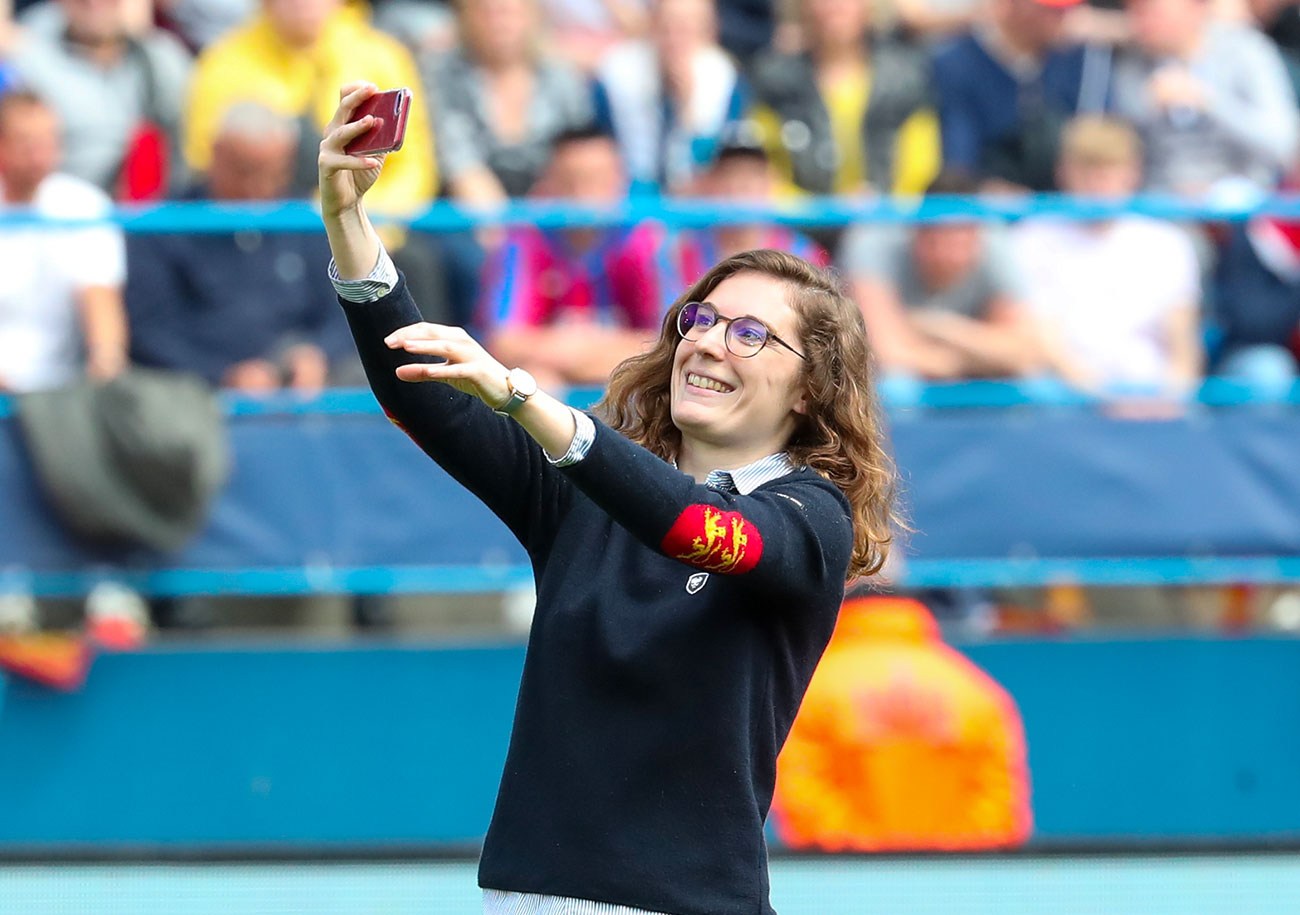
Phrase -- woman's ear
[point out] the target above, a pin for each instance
(800, 406)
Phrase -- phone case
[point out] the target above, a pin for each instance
(391, 108)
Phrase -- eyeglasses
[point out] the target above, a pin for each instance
(745, 336)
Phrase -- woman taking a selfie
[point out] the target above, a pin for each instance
(690, 554)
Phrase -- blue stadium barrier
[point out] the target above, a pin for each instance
(998, 496)
(400, 746)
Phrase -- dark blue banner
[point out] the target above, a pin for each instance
(343, 501)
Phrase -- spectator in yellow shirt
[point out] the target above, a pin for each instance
(849, 113)
(291, 58)
(901, 744)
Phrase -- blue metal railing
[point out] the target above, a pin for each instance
(300, 215)
(1213, 392)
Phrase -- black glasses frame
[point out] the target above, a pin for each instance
(771, 334)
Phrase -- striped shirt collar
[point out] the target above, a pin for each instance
(744, 480)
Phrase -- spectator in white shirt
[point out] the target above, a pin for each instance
(61, 306)
(1116, 300)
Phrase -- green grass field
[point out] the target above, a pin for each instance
(1097, 885)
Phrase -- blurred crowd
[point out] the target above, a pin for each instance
(594, 100)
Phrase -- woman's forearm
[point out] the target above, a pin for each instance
(353, 242)
(549, 421)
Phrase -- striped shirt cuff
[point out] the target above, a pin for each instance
(381, 281)
(583, 436)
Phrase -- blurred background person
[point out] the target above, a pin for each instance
(1008, 85)
(940, 298)
(669, 97)
(746, 28)
(498, 102)
(901, 744)
(247, 310)
(1256, 322)
(851, 111)
(292, 57)
(1279, 20)
(1116, 301)
(583, 31)
(118, 92)
(198, 23)
(61, 312)
(740, 173)
(1212, 99)
(934, 20)
(570, 304)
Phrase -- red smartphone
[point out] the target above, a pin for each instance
(389, 110)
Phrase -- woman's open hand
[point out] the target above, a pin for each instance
(345, 179)
(469, 367)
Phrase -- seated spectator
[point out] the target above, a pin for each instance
(61, 313)
(117, 93)
(498, 103)
(292, 58)
(901, 744)
(668, 98)
(1008, 86)
(741, 173)
(1257, 296)
(1116, 300)
(570, 304)
(421, 25)
(246, 310)
(199, 23)
(1212, 99)
(746, 27)
(1280, 21)
(583, 31)
(849, 113)
(939, 299)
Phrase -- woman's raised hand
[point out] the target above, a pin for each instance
(469, 367)
(345, 179)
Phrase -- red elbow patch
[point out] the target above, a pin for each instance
(714, 540)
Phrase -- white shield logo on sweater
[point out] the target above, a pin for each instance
(696, 581)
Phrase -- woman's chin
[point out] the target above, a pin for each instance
(692, 417)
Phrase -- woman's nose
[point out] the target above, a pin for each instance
(714, 341)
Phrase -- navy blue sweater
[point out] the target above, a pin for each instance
(649, 718)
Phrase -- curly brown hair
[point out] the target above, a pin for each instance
(841, 436)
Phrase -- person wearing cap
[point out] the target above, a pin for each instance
(740, 174)
(1212, 99)
(1116, 300)
(1006, 88)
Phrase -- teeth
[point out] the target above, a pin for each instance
(710, 384)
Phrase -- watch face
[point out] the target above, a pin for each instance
(524, 384)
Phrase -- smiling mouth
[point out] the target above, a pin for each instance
(708, 384)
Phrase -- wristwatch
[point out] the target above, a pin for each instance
(522, 386)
